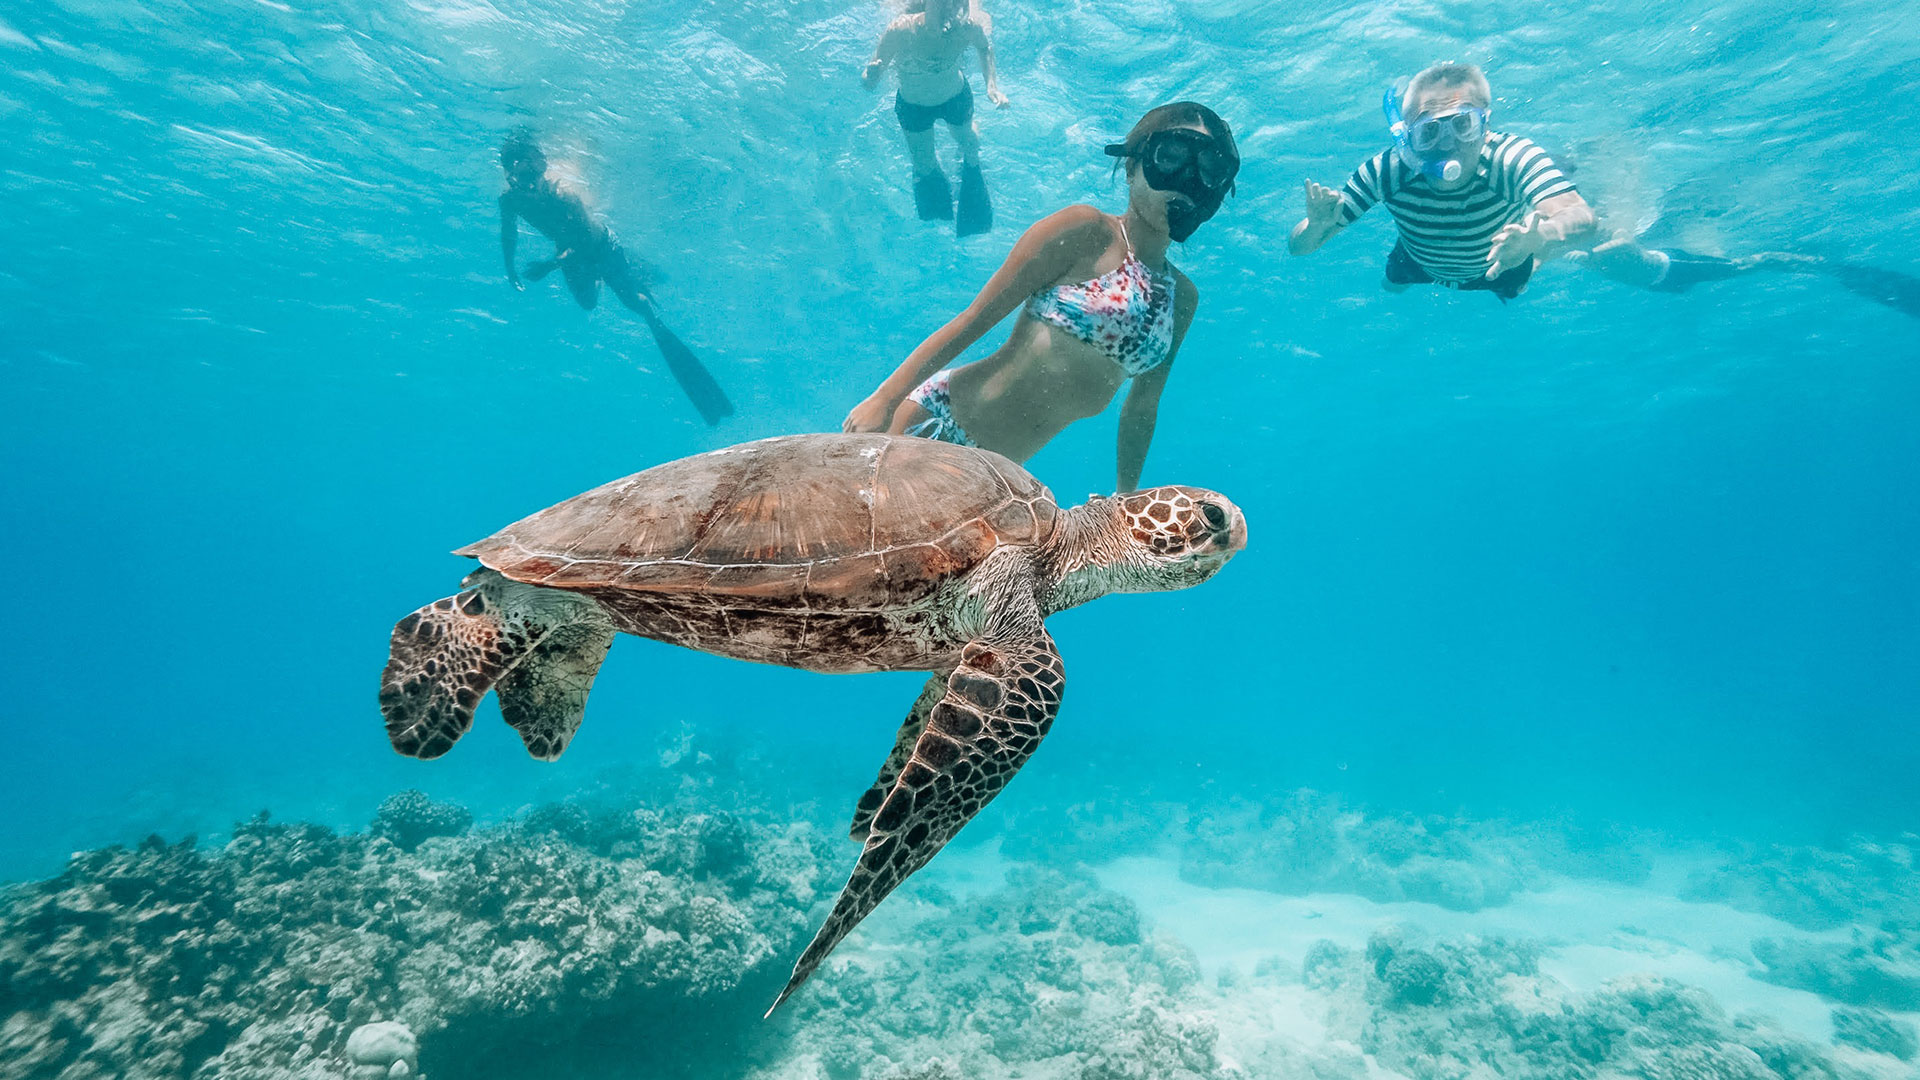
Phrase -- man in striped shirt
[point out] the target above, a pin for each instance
(1476, 209)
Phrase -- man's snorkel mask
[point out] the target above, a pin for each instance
(1197, 166)
(1426, 146)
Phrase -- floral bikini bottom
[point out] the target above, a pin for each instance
(934, 396)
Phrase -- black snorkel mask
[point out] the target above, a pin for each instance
(1196, 165)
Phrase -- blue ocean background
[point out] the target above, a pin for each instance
(1631, 556)
(1600, 556)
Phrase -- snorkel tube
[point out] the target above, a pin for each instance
(1447, 169)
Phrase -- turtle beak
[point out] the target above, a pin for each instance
(1236, 539)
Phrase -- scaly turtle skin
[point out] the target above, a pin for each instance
(825, 552)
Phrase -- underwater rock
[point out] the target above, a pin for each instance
(383, 1051)
(409, 818)
(1405, 975)
(1819, 888)
(1305, 842)
(264, 958)
(1470, 1009)
(1880, 966)
(1311, 843)
(1871, 1029)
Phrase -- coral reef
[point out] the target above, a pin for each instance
(1870, 887)
(1875, 1031)
(261, 959)
(1050, 976)
(1305, 842)
(1312, 843)
(1477, 1008)
(1879, 966)
(1819, 888)
(652, 930)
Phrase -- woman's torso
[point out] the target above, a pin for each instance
(928, 67)
(1063, 363)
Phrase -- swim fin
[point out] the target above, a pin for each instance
(1896, 290)
(688, 371)
(975, 215)
(933, 197)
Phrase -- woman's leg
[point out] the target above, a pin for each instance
(907, 415)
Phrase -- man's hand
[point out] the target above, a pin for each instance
(873, 414)
(1323, 206)
(994, 95)
(514, 280)
(1517, 244)
(870, 78)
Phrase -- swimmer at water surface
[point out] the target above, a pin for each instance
(1671, 270)
(925, 48)
(586, 254)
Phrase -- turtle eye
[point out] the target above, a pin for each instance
(1216, 517)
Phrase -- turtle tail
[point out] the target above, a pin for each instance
(537, 648)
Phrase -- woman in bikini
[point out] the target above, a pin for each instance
(1099, 304)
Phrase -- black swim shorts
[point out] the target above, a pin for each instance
(956, 110)
(1402, 270)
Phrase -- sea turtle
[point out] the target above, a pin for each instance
(825, 552)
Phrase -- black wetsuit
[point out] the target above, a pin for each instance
(1685, 270)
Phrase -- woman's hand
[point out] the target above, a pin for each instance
(994, 95)
(873, 414)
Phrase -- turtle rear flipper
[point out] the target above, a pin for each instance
(544, 695)
(538, 647)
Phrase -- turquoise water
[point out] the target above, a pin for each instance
(1602, 557)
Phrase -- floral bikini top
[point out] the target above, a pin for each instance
(1126, 312)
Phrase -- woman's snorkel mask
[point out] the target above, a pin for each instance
(1426, 146)
(1198, 166)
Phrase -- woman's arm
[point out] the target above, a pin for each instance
(884, 53)
(1051, 248)
(983, 43)
(1141, 410)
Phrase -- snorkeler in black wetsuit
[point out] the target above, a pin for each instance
(586, 253)
(1670, 270)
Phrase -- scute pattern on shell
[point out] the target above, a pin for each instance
(856, 521)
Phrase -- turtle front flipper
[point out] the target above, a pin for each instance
(910, 729)
(996, 706)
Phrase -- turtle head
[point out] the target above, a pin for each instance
(1180, 536)
(1154, 540)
